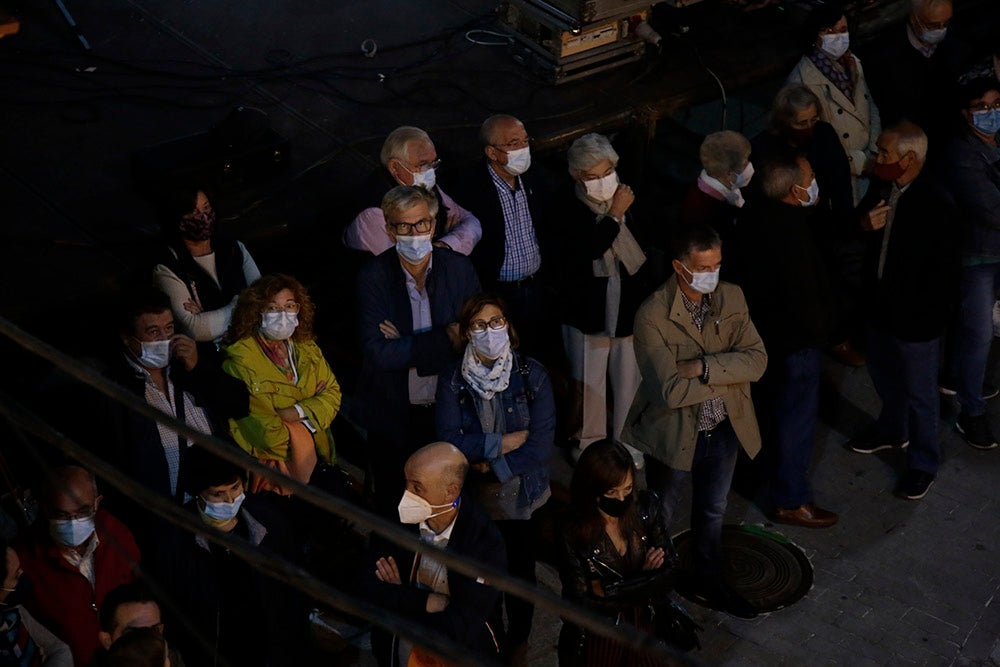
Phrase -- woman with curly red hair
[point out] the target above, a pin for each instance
(294, 395)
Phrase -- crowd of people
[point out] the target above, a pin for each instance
(519, 313)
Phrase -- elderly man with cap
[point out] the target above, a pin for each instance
(409, 158)
(462, 608)
(74, 557)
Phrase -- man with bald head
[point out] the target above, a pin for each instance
(408, 158)
(462, 608)
(511, 201)
(77, 553)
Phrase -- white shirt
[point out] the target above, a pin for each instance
(83, 563)
(432, 575)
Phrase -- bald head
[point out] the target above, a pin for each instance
(440, 460)
(70, 490)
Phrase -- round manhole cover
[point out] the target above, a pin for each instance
(763, 567)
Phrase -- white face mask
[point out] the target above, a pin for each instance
(223, 511)
(812, 191)
(602, 189)
(491, 343)
(933, 36)
(414, 509)
(424, 179)
(518, 161)
(279, 326)
(414, 248)
(835, 45)
(155, 353)
(703, 282)
(72, 532)
(743, 178)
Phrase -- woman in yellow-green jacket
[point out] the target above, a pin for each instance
(294, 395)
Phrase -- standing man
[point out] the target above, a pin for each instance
(410, 298)
(910, 274)
(409, 158)
(512, 206)
(698, 352)
(971, 169)
(422, 589)
(788, 290)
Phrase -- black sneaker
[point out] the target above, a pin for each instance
(874, 442)
(976, 431)
(913, 484)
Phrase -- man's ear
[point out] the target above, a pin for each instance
(97, 502)
(454, 490)
(105, 639)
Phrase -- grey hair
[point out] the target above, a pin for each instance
(587, 151)
(404, 197)
(909, 137)
(790, 101)
(490, 125)
(723, 153)
(917, 5)
(780, 174)
(396, 145)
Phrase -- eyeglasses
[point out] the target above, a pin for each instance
(289, 307)
(940, 25)
(514, 144)
(81, 513)
(983, 106)
(409, 228)
(496, 323)
(421, 168)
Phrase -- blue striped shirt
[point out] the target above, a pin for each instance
(521, 257)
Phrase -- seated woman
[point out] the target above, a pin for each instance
(294, 395)
(203, 271)
(497, 407)
(616, 556)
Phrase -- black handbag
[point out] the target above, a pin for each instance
(675, 627)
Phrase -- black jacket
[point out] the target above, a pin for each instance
(471, 616)
(915, 298)
(478, 193)
(784, 278)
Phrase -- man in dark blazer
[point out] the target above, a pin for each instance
(910, 273)
(463, 609)
(512, 204)
(410, 297)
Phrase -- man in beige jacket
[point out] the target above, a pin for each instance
(698, 352)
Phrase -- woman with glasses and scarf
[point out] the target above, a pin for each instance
(294, 395)
(496, 406)
(203, 270)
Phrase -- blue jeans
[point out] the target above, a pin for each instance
(789, 394)
(905, 377)
(711, 474)
(974, 334)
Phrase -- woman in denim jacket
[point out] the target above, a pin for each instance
(496, 406)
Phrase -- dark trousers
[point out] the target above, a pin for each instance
(519, 536)
(388, 458)
(974, 334)
(905, 377)
(529, 310)
(711, 474)
(789, 397)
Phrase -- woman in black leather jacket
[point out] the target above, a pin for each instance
(616, 555)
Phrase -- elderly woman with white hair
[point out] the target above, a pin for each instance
(604, 284)
(716, 197)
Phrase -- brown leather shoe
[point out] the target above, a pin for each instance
(847, 354)
(807, 516)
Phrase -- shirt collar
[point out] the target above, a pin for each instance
(692, 307)
(439, 539)
(142, 371)
(500, 183)
(410, 280)
(74, 558)
(926, 50)
(730, 195)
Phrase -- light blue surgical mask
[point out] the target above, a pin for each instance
(491, 343)
(703, 282)
(279, 326)
(414, 248)
(933, 37)
(987, 121)
(224, 511)
(835, 45)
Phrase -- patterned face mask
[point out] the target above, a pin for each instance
(198, 226)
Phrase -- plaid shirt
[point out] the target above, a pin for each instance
(522, 257)
(713, 411)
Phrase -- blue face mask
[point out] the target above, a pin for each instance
(987, 122)
(414, 249)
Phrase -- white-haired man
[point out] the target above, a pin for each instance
(409, 158)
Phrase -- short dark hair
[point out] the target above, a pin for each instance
(139, 301)
(976, 89)
(143, 647)
(122, 595)
(694, 238)
(203, 469)
(820, 18)
(781, 172)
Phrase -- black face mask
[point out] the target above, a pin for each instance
(613, 506)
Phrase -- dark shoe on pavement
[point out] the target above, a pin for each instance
(807, 516)
(847, 354)
(976, 431)
(870, 443)
(913, 484)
